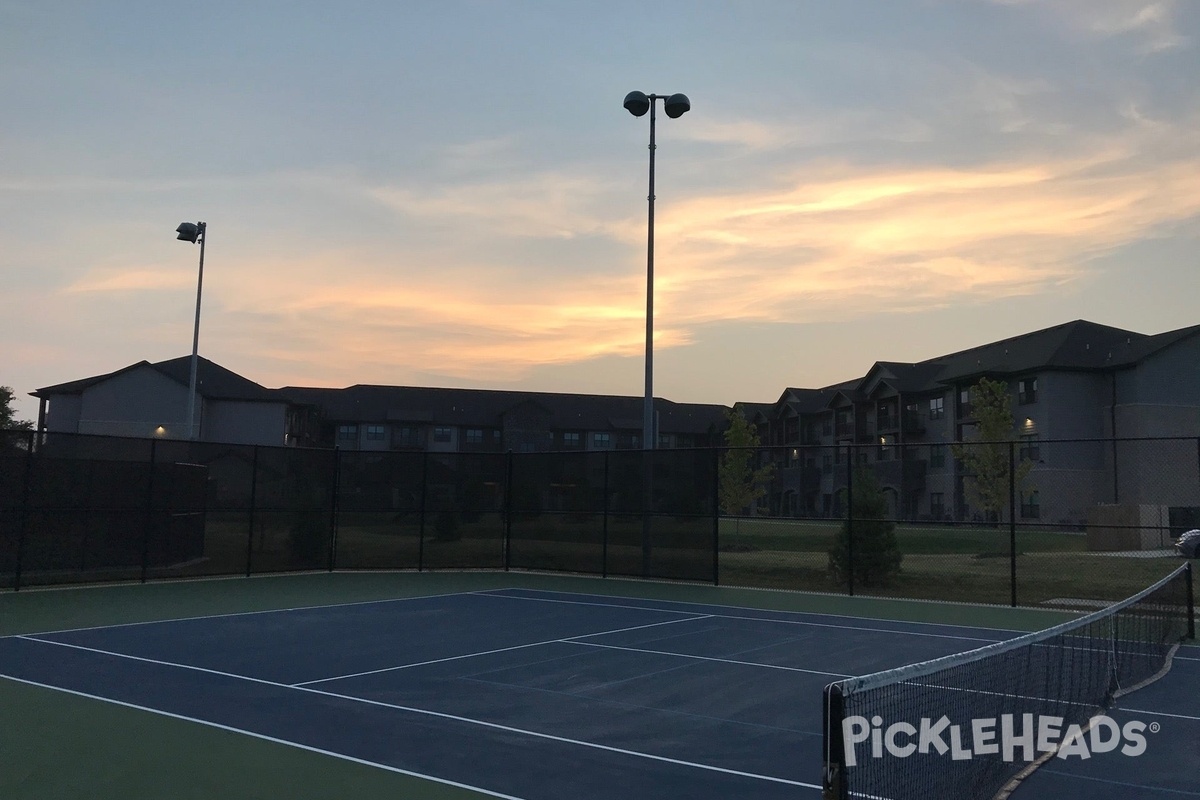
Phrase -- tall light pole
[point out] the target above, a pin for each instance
(193, 232)
(675, 105)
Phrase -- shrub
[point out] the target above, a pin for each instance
(877, 554)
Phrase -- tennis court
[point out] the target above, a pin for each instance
(547, 689)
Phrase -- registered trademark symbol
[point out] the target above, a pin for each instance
(1155, 727)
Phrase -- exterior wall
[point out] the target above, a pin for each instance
(1161, 396)
(62, 413)
(1070, 405)
(136, 403)
(243, 422)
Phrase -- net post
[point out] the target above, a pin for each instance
(421, 524)
(833, 777)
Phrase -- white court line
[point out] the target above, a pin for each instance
(496, 592)
(497, 650)
(439, 715)
(271, 739)
(1159, 713)
(758, 619)
(244, 614)
(709, 658)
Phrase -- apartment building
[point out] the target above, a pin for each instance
(1075, 388)
(151, 400)
(1072, 387)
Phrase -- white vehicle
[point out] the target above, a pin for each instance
(1188, 545)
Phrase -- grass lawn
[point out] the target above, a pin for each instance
(969, 564)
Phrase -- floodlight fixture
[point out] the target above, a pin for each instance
(675, 105)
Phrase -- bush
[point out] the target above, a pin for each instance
(877, 554)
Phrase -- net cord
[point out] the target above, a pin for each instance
(852, 686)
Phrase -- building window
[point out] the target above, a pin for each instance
(964, 403)
(1031, 507)
(474, 436)
(886, 443)
(1030, 449)
(405, 436)
(937, 456)
(827, 464)
(826, 426)
(347, 433)
(441, 434)
(376, 433)
(571, 439)
(937, 505)
(601, 441)
(1027, 391)
(937, 407)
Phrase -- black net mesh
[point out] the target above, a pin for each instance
(379, 510)
(875, 735)
(557, 503)
(463, 526)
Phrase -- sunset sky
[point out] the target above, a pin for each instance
(449, 193)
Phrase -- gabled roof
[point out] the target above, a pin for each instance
(1078, 345)
(901, 376)
(212, 381)
(1072, 346)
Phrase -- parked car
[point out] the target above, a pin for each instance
(1188, 545)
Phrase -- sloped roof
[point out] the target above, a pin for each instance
(1078, 345)
(212, 380)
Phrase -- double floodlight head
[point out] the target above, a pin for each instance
(190, 231)
(638, 103)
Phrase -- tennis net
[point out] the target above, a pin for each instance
(974, 724)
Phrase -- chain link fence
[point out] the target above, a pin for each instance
(1052, 523)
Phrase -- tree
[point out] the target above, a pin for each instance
(740, 483)
(7, 414)
(876, 554)
(985, 457)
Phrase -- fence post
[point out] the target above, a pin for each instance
(333, 506)
(1012, 520)
(604, 522)
(421, 524)
(508, 510)
(22, 526)
(716, 494)
(253, 505)
(149, 523)
(850, 519)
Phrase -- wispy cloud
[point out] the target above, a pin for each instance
(850, 240)
(1153, 23)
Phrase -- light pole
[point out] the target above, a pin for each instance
(675, 105)
(193, 232)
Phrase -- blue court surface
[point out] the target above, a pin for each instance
(541, 695)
